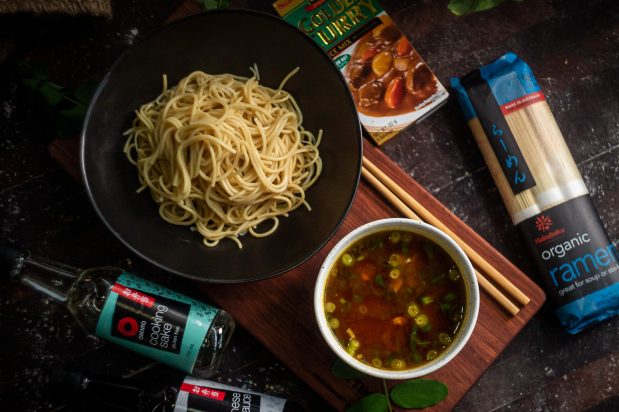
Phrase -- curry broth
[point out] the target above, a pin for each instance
(395, 300)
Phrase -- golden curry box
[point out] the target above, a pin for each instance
(391, 85)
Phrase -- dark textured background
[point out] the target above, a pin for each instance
(572, 46)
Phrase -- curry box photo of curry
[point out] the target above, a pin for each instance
(386, 75)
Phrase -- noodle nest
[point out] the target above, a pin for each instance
(222, 154)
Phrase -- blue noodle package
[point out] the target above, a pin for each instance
(542, 189)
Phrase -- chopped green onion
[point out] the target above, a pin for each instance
(412, 309)
(404, 248)
(445, 307)
(416, 357)
(407, 237)
(360, 258)
(334, 323)
(449, 297)
(377, 362)
(426, 300)
(429, 249)
(394, 273)
(352, 346)
(444, 338)
(432, 353)
(438, 278)
(342, 300)
(398, 364)
(330, 307)
(357, 298)
(363, 309)
(422, 343)
(394, 260)
(394, 237)
(378, 280)
(454, 274)
(421, 320)
(347, 259)
(426, 328)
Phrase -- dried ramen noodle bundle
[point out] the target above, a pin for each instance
(542, 190)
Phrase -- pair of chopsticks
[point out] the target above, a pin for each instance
(412, 209)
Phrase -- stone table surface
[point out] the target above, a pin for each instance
(573, 47)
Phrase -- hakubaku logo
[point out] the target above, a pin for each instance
(543, 223)
(128, 326)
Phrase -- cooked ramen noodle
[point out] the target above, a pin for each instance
(223, 154)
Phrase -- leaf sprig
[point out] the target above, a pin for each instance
(68, 106)
(462, 7)
(413, 394)
(213, 4)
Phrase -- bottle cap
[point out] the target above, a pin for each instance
(11, 260)
(67, 379)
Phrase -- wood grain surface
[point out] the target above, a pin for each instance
(279, 311)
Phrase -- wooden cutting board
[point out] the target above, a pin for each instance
(279, 311)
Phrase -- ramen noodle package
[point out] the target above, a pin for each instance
(542, 190)
(391, 85)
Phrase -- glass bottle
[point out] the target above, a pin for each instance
(138, 314)
(190, 395)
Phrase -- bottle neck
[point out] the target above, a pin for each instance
(58, 285)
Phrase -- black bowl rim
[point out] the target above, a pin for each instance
(152, 260)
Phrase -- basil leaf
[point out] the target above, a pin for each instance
(84, 93)
(214, 4)
(31, 84)
(418, 393)
(376, 402)
(342, 370)
(38, 70)
(461, 7)
(70, 121)
(51, 94)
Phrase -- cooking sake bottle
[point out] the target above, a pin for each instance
(130, 311)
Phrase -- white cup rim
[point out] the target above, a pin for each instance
(456, 253)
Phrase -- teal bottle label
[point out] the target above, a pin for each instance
(155, 321)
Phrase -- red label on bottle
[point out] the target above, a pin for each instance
(134, 295)
(203, 391)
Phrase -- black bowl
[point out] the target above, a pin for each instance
(219, 42)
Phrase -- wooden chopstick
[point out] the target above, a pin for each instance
(428, 217)
(408, 212)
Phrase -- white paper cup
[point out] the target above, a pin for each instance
(440, 239)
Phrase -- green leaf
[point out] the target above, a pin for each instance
(418, 393)
(51, 94)
(342, 370)
(69, 122)
(214, 4)
(376, 402)
(31, 84)
(85, 91)
(38, 71)
(462, 7)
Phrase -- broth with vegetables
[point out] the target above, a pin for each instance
(395, 300)
(386, 75)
